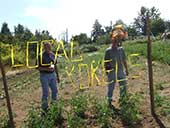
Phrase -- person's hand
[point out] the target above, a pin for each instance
(50, 69)
(127, 72)
(58, 79)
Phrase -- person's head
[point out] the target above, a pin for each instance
(117, 36)
(47, 47)
(114, 39)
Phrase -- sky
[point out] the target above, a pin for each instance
(76, 15)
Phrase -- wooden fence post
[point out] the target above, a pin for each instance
(11, 122)
(150, 74)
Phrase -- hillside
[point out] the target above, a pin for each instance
(25, 92)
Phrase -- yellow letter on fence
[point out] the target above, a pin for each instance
(81, 78)
(93, 73)
(61, 44)
(117, 80)
(41, 48)
(69, 74)
(133, 65)
(71, 54)
(4, 47)
(27, 54)
(106, 71)
(103, 73)
(12, 59)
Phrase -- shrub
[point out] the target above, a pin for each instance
(163, 104)
(88, 48)
(51, 119)
(104, 114)
(4, 122)
(158, 100)
(165, 112)
(130, 108)
(160, 50)
(74, 121)
(79, 105)
(104, 39)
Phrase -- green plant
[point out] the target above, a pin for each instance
(34, 119)
(51, 119)
(104, 39)
(79, 105)
(4, 121)
(163, 104)
(159, 101)
(74, 121)
(160, 50)
(104, 114)
(130, 108)
(54, 114)
(165, 111)
(89, 48)
(159, 86)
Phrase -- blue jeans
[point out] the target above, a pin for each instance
(112, 80)
(48, 80)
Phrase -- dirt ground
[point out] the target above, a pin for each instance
(30, 94)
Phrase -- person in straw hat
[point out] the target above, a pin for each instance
(116, 64)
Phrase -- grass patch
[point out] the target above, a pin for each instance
(160, 50)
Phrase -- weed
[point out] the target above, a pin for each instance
(4, 122)
(159, 101)
(74, 121)
(160, 51)
(130, 108)
(79, 105)
(51, 119)
(104, 114)
(165, 111)
(163, 103)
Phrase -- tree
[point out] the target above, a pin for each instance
(140, 21)
(27, 34)
(131, 31)
(37, 35)
(109, 28)
(157, 26)
(46, 35)
(19, 33)
(97, 30)
(82, 39)
(19, 29)
(5, 35)
(167, 25)
(22, 34)
(5, 30)
(104, 39)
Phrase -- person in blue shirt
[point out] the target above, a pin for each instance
(48, 75)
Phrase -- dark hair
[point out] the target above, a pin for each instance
(46, 43)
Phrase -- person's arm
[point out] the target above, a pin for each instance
(125, 63)
(126, 67)
(56, 70)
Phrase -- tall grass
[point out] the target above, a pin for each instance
(160, 50)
